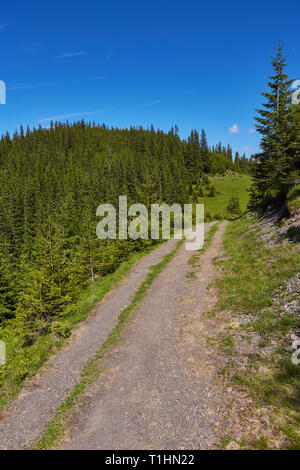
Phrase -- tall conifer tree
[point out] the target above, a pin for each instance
(271, 165)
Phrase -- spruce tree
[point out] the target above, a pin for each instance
(204, 152)
(7, 288)
(272, 166)
(237, 162)
(234, 208)
(294, 148)
(212, 191)
(200, 191)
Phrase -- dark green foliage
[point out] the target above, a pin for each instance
(52, 181)
(212, 191)
(237, 161)
(205, 154)
(294, 146)
(234, 207)
(200, 191)
(273, 167)
(7, 288)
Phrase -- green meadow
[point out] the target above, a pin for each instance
(226, 186)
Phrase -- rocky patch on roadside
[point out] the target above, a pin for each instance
(275, 229)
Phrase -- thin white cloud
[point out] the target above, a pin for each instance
(152, 103)
(247, 149)
(17, 86)
(66, 55)
(69, 115)
(234, 129)
(97, 78)
(1, 26)
(251, 131)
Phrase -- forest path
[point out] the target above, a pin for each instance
(157, 389)
(28, 416)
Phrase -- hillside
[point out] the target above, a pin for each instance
(226, 186)
(53, 268)
(150, 229)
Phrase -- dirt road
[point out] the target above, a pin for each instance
(157, 390)
(36, 405)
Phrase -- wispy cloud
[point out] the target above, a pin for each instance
(110, 56)
(251, 131)
(234, 129)
(18, 86)
(69, 115)
(152, 103)
(66, 55)
(97, 78)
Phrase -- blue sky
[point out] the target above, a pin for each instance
(191, 63)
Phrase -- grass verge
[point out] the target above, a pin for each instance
(92, 370)
(253, 277)
(208, 238)
(226, 186)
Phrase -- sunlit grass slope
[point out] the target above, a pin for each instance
(226, 186)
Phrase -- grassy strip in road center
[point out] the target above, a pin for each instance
(56, 428)
(208, 238)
